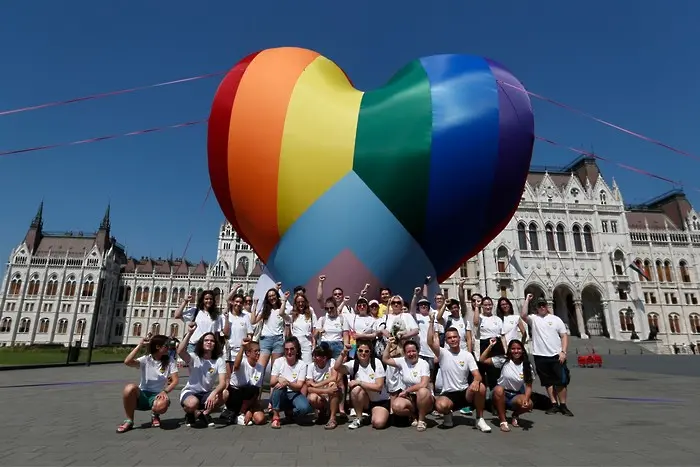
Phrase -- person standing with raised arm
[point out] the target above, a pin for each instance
(549, 344)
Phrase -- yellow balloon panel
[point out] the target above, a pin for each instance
(318, 142)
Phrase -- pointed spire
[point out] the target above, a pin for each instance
(105, 225)
(38, 221)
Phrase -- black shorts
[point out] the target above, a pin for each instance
(551, 372)
(458, 398)
(385, 404)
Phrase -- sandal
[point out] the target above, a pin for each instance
(505, 427)
(155, 420)
(126, 426)
(421, 426)
(331, 425)
(276, 424)
(515, 422)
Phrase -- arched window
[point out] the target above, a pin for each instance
(199, 292)
(173, 296)
(578, 245)
(119, 330)
(155, 329)
(139, 295)
(619, 263)
(694, 319)
(549, 237)
(245, 263)
(121, 294)
(647, 269)
(156, 295)
(80, 327)
(588, 238)
(659, 271)
(534, 241)
(69, 287)
(502, 258)
(639, 265)
(136, 331)
(34, 285)
(6, 324)
(181, 296)
(24, 325)
(52, 286)
(146, 293)
(174, 330)
(62, 326)
(603, 197)
(16, 285)
(88, 287)
(626, 323)
(667, 271)
(127, 296)
(193, 294)
(653, 320)
(522, 236)
(685, 274)
(44, 325)
(561, 237)
(674, 322)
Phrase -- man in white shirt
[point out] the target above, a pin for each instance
(549, 343)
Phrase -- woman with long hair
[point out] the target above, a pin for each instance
(204, 390)
(489, 329)
(332, 328)
(367, 390)
(159, 377)
(271, 315)
(301, 325)
(513, 326)
(322, 387)
(245, 383)
(514, 386)
(287, 383)
(205, 314)
(416, 398)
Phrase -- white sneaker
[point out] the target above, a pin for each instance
(483, 426)
(447, 421)
(356, 423)
(353, 413)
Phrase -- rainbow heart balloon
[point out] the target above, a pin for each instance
(382, 187)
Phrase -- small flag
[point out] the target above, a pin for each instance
(514, 262)
(634, 267)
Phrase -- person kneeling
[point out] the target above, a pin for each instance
(287, 381)
(415, 374)
(158, 377)
(322, 385)
(246, 379)
(204, 391)
(367, 390)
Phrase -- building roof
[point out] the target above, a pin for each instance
(668, 209)
(177, 266)
(583, 168)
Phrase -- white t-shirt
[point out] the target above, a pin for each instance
(332, 328)
(361, 324)
(510, 328)
(490, 326)
(412, 373)
(204, 374)
(546, 334)
(247, 375)
(294, 373)
(392, 380)
(274, 325)
(303, 329)
(317, 374)
(462, 327)
(512, 377)
(204, 323)
(369, 375)
(423, 322)
(240, 328)
(403, 321)
(455, 370)
(153, 377)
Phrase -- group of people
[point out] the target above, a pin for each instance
(374, 360)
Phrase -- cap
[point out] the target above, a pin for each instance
(361, 299)
(373, 302)
(424, 301)
(540, 301)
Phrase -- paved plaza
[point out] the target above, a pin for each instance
(639, 415)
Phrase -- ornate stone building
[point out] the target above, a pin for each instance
(572, 241)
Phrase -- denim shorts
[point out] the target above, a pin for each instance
(336, 347)
(510, 395)
(271, 344)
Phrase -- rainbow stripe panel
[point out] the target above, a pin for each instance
(381, 187)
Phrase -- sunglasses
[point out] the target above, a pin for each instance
(329, 308)
(396, 303)
(363, 352)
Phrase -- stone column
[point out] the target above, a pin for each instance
(579, 319)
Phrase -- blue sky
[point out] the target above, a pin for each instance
(635, 66)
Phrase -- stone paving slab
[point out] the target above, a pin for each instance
(622, 418)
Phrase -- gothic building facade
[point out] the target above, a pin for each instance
(607, 269)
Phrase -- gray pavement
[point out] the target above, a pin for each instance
(622, 417)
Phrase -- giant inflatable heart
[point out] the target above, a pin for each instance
(382, 187)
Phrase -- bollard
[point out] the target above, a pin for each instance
(625, 351)
(609, 351)
(576, 350)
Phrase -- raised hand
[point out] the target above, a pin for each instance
(322, 278)
(191, 326)
(417, 291)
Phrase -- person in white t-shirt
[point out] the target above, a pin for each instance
(360, 325)
(332, 328)
(205, 387)
(245, 383)
(415, 399)
(302, 324)
(272, 319)
(237, 327)
(514, 386)
(322, 388)
(513, 326)
(422, 304)
(460, 378)
(206, 314)
(550, 341)
(367, 390)
(489, 326)
(455, 319)
(287, 382)
(159, 377)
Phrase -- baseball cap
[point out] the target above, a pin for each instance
(424, 301)
(361, 299)
(373, 302)
(540, 301)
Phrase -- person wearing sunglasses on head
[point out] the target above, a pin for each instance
(287, 382)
